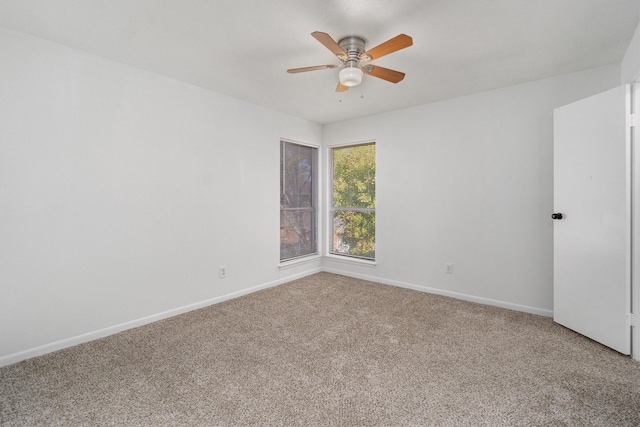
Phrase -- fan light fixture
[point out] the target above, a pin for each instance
(350, 76)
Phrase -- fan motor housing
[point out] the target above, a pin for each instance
(354, 46)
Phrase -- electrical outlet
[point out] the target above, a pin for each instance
(222, 272)
(448, 268)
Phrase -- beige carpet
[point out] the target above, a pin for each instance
(329, 350)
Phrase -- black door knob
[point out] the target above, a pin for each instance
(557, 215)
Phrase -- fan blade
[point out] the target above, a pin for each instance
(341, 88)
(398, 42)
(392, 76)
(314, 68)
(330, 44)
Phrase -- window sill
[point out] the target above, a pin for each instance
(299, 261)
(351, 260)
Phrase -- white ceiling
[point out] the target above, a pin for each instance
(242, 48)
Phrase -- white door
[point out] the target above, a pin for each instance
(592, 241)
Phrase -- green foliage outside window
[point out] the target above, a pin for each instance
(354, 200)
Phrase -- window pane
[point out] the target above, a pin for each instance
(353, 201)
(297, 233)
(354, 176)
(297, 170)
(354, 234)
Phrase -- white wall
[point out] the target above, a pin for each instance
(121, 192)
(469, 181)
(630, 67)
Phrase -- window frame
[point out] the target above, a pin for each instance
(331, 208)
(315, 198)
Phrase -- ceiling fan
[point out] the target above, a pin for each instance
(355, 60)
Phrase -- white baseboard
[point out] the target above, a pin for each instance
(465, 297)
(101, 333)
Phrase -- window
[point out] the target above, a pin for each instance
(353, 201)
(298, 181)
